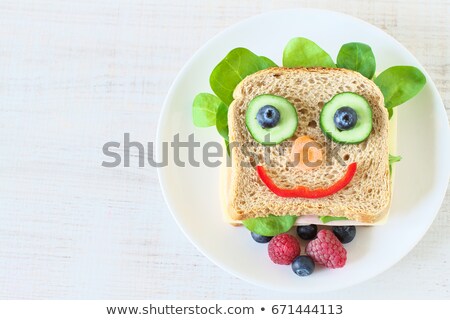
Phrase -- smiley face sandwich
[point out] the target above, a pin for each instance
(338, 113)
(309, 142)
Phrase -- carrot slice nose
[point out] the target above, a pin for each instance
(306, 154)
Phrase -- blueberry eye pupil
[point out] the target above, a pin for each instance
(345, 118)
(268, 116)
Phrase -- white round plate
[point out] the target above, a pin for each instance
(192, 193)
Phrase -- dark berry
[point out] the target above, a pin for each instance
(268, 116)
(260, 239)
(303, 266)
(307, 232)
(345, 234)
(345, 118)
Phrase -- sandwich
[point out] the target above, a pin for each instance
(333, 121)
(311, 142)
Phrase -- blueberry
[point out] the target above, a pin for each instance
(307, 232)
(268, 116)
(345, 118)
(303, 266)
(259, 238)
(345, 234)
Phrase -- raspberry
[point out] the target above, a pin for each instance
(327, 250)
(283, 249)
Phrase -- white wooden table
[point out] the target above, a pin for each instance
(76, 74)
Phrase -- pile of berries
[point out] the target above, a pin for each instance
(325, 248)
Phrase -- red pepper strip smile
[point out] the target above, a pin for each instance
(304, 192)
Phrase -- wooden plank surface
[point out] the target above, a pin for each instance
(76, 74)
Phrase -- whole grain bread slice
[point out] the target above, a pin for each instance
(364, 199)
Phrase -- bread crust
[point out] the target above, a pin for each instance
(365, 199)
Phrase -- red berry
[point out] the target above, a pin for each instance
(283, 249)
(327, 250)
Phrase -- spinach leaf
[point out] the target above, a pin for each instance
(326, 219)
(222, 121)
(227, 146)
(237, 64)
(390, 112)
(269, 62)
(204, 109)
(302, 52)
(393, 159)
(358, 57)
(270, 225)
(399, 84)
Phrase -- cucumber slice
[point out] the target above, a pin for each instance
(360, 131)
(284, 129)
